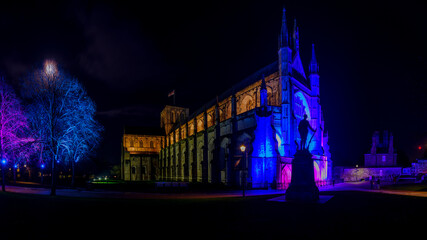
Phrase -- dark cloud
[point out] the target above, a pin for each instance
(130, 111)
(116, 51)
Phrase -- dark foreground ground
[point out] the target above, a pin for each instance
(348, 215)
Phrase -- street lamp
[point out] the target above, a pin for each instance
(357, 170)
(50, 67)
(243, 150)
(42, 166)
(3, 163)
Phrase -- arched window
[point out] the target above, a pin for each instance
(301, 106)
(151, 144)
(249, 105)
(200, 124)
(141, 144)
(270, 100)
(246, 104)
(131, 142)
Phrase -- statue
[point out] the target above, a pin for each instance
(303, 186)
(303, 127)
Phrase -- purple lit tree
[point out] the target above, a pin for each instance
(14, 128)
(62, 117)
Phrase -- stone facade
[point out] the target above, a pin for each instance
(261, 112)
(204, 146)
(140, 154)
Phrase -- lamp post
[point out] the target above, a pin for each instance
(42, 166)
(357, 170)
(243, 150)
(3, 181)
(51, 72)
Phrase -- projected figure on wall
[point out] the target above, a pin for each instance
(303, 127)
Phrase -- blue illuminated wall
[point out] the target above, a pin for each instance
(267, 150)
(264, 156)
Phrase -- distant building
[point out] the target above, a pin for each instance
(140, 153)
(382, 153)
(380, 162)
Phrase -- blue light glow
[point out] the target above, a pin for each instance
(3, 161)
(42, 166)
(279, 145)
(301, 107)
(263, 155)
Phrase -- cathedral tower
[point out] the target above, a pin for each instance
(172, 115)
(263, 93)
(314, 73)
(316, 108)
(285, 70)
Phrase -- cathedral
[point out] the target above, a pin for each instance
(249, 133)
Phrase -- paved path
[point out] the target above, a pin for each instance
(357, 186)
(138, 195)
(366, 187)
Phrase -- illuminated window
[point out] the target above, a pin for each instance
(383, 158)
(270, 98)
(249, 105)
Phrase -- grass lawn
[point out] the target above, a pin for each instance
(348, 215)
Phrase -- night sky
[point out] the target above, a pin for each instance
(372, 59)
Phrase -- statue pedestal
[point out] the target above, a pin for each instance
(303, 187)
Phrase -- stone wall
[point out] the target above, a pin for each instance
(350, 174)
(140, 167)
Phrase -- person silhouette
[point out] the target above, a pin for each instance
(303, 127)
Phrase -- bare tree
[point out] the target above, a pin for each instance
(13, 128)
(83, 132)
(62, 116)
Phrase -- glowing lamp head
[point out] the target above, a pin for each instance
(50, 67)
(243, 148)
(3, 161)
(419, 147)
(15, 166)
(42, 166)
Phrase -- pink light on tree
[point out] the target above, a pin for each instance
(13, 127)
